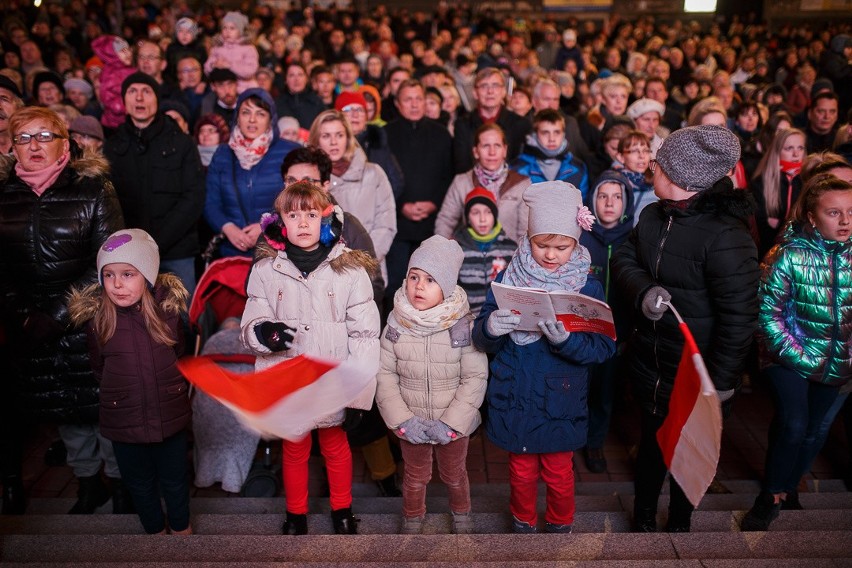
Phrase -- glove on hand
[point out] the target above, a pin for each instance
(40, 327)
(554, 331)
(276, 335)
(352, 419)
(501, 322)
(441, 433)
(649, 303)
(414, 430)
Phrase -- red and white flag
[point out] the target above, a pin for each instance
(283, 401)
(691, 435)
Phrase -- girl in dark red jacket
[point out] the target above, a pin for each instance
(132, 319)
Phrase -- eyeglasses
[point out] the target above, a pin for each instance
(290, 180)
(652, 165)
(40, 137)
(639, 152)
(490, 86)
(188, 70)
(354, 109)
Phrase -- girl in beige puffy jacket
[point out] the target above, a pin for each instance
(432, 381)
(313, 296)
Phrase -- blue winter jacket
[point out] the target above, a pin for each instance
(537, 393)
(240, 196)
(571, 170)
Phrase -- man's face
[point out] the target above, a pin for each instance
(547, 97)
(141, 104)
(347, 74)
(7, 107)
(337, 39)
(226, 92)
(823, 116)
(149, 60)
(490, 92)
(550, 135)
(189, 73)
(323, 84)
(30, 53)
(296, 79)
(396, 79)
(411, 103)
(656, 90)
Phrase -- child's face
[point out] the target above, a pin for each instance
(184, 37)
(422, 291)
(481, 219)
(124, 284)
(553, 253)
(230, 32)
(833, 215)
(609, 204)
(550, 135)
(126, 56)
(303, 228)
(636, 158)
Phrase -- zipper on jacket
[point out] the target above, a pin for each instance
(333, 305)
(656, 276)
(608, 258)
(428, 378)
(835, 332)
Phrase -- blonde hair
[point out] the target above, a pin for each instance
(155, 322)
(702, 108)
(770, 170)
(326, 117)
(27, 114)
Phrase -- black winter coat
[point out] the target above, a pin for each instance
(48, 245)
(304, 106)
(701, 251)
(374, 141)
(158, 178)
(516, 129)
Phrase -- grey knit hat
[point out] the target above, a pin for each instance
(554, 206)
(238, 19)
(696, 157)
(134, 247)
(441, 259)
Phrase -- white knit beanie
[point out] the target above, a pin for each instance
(441, 259)
(554, 206)
(134, 247)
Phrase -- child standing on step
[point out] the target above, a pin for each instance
(135, 338)
(432, 381)
(310, 294)
(539, 379)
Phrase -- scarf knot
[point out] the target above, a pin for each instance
(422, 323)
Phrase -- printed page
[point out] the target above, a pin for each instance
(583, 313)
(530, 304)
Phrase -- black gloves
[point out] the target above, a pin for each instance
(352, 419)
(276, 335)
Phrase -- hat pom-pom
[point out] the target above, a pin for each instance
(274, 231)
(585, 218)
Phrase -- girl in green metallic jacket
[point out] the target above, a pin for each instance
(805, 324)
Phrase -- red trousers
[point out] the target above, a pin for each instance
(557, 471)
(338, 462)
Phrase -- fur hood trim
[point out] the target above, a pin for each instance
(347, 259)
(87, 164)
(170, 293)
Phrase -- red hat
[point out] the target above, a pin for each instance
(346, 98)
(480, 195)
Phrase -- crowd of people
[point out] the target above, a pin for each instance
(378, 172)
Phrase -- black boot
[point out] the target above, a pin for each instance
(14, 500)
(644, 519)
(91, 494)
(791, 501)
(679, 522)
(295, 524)
(344, 521)
(761, 515)
(122, 502)
(387, 487)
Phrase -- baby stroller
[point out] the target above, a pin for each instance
(224, 450)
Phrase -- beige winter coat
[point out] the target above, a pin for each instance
(332, 310)
(438, 377)
(513, 212)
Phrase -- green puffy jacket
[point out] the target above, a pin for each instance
(805, 297)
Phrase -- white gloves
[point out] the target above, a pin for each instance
(501, 322)
(554, 331)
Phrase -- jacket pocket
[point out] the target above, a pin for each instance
(557, 397)
(500, 395)
(332, 300)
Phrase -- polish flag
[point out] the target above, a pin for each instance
(284, 400)
(691, 435)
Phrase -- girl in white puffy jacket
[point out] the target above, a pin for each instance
(432, 381)
(313, 296)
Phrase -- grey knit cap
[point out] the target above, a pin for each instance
(553, 209)
(238, 19)
(696, 157)
(441, 259)
(134, 247)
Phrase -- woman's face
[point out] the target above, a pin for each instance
(793, 149)
(748, 120)
(611, 148)
(713, 119)
(433, 107)
(615, 100)
(490, 152)
(636, 158)
(36, 156)
(332, 139)
(252, 120)
(208, 135)
(374, 67)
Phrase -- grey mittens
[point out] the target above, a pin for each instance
(650, 308)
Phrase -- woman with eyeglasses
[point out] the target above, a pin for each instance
(634, 153)
(244, 176)
(57, 207)
(360, 187)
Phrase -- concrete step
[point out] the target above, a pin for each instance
(436, 523)
(429, 549)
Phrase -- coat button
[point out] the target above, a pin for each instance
(307, 328)
(456, 342)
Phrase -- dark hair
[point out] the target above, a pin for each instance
(295, 64)
(308, 155)
(831, 95)
(319, 70)
(548, 115)
(349, 59)
(258, 102)
(395, 70)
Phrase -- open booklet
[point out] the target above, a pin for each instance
(577, 312)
